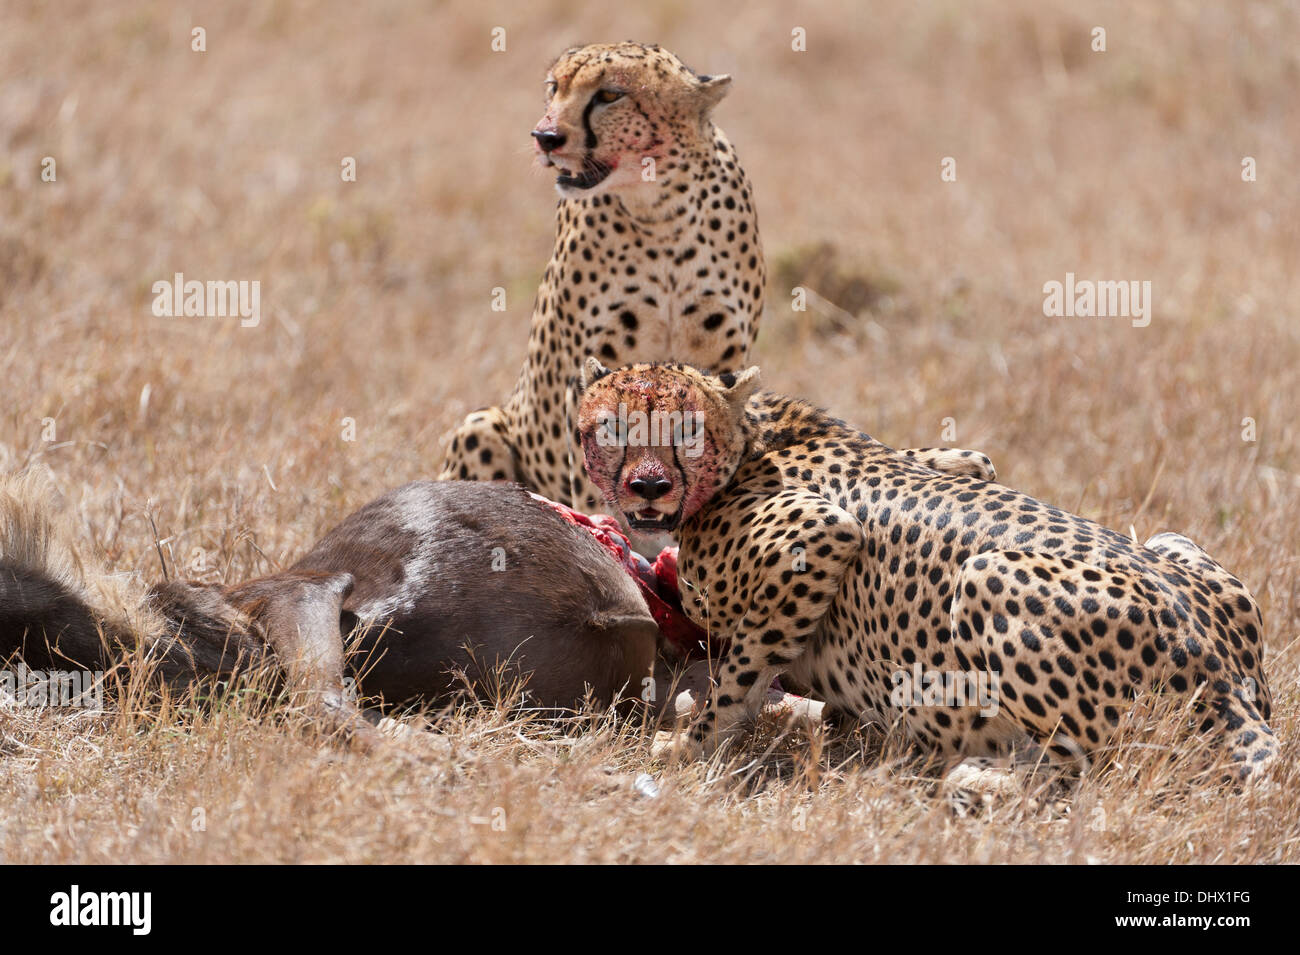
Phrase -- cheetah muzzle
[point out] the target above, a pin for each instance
(590, 174)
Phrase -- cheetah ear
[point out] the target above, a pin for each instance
(711, 89)
(740, 386)
(592, 371)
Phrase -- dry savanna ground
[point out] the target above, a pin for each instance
(376, 307)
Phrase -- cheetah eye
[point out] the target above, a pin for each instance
(609, 96)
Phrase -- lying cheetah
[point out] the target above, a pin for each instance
(656, 257)
(836, 562)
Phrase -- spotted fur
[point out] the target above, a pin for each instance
(836, 562)
(665, 269)
(642, 270)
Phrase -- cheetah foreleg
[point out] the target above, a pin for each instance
(481, 450)
(802, 545)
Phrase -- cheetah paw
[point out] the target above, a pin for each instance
(979, 778)
(675, 747)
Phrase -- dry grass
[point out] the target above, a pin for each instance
(376, 306)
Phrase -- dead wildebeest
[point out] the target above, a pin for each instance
(436, 585)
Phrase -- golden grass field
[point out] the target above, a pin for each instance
(225, 164)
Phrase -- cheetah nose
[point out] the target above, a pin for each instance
(548, 141)
(650, 489)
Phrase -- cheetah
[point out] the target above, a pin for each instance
(836, 562)
(657, 257)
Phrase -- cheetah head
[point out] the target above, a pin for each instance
(611, 107)
(660, 440)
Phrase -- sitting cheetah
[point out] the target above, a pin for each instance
(656, 257)
(836, 562)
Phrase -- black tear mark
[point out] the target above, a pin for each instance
(586, 113)
(586, 123)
